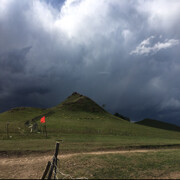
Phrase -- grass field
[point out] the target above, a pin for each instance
(140, 164)
(157, 164)
(86, 143)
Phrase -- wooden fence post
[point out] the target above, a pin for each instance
(56, 154)
(54, 163)
(46, 170)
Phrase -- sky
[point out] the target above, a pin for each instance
(121, 53)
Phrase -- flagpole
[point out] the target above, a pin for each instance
(43, 121)
(45, 129)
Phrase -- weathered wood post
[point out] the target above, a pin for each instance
(56, 154)
(54, 163)
(46, 170)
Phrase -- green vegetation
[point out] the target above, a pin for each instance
(157, 164)
(84, 143)
(82, 124)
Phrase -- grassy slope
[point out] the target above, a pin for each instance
(83, 125)
(148, 165)
(159, 124)
(17, 117)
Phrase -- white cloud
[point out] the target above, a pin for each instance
(162, 14)
(147, 47)
(3, 6)
(77, 17)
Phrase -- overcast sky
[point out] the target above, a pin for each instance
(121, 53)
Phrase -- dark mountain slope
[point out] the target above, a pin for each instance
(159, 124)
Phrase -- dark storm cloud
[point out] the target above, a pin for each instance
(14, 61)
(124, 54)
(30, 90)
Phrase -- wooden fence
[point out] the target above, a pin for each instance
(52, 171)
(52, 166)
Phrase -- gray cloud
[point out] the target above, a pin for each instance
(49, 51)
(14, 61)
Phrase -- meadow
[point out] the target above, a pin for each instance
(133, 164)
(138, 165)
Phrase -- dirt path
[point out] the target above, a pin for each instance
(32, 166)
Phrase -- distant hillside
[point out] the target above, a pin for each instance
(159, 124)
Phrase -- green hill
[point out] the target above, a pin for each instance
(77, 102)
(81, 123)
(159, 124)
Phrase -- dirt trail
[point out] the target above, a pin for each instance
(32, 166)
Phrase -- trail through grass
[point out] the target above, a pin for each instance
(140, 164)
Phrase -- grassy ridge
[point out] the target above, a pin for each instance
(17, 117)
(79, 122)
(66, 122)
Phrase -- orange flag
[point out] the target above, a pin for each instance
(43, 119)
